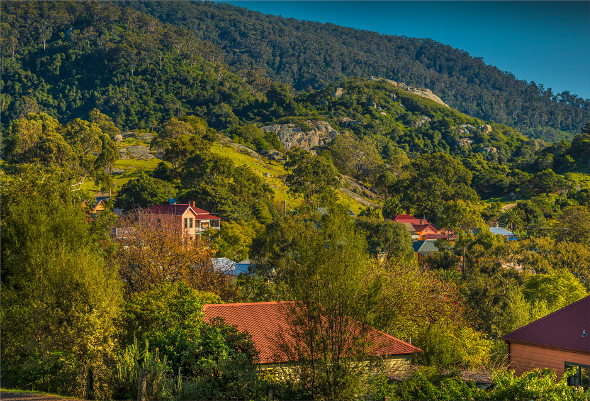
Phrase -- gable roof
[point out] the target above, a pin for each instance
(406, 218)
(421, 227)
(178, 209)
(501, 231)
(425, 247)
(409, 227)
(564, 328)
(266, 321)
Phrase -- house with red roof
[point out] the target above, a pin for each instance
(268, 324)
(185, 217)
(557, 341)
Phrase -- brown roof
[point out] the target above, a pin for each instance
(564, 328)
(266, 322)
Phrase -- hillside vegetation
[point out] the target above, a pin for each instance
(312, 55)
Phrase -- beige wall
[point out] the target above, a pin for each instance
(393, 366)
(524, 357)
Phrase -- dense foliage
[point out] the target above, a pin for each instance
(97, 305)
(308, 54)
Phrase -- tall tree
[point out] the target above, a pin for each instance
(59, 294)
(325, 268)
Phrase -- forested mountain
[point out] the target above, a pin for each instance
(66, 58)
(312, 55)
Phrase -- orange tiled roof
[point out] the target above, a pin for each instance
(266, 321)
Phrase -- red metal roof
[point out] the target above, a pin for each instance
(564, 328)
(266, 321)
(406, 218)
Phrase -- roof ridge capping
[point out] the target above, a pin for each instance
(506, 336)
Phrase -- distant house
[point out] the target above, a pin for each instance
(510, 236)
(97, 206)
(427, 229)
(557, 341)
(424, 248)
(267, 323)
(191, 220)
(419, 229)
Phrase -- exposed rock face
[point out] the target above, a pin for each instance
(486, 128)
(272, 154)
(321, 133)
(421, 121)
(245, 150)
(427, 93)
(136, 152)
(338, 92)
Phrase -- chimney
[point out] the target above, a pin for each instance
(192, 204)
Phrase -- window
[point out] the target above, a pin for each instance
(186, 222)
(190, 222)
(581, 376)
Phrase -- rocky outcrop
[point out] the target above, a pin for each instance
(427, 93)
(245, 150)
(486, 129)
(320, 133)
(138, 152)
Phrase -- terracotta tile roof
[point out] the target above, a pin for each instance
(266, 321)
(207, 217)
(564, 328)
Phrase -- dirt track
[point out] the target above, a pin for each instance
(12, 396)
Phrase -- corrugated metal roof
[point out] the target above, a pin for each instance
(267, 323)
(564, 328)
(500, 231)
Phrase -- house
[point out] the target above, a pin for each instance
(97, 206)
(186, 217)
(557, 341)
(267, 323)
(510, 236)
(419, 229)
(424, 248)
(427, 229)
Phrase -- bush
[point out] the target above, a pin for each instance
(135, 365)
(452, 346)
(430, 384)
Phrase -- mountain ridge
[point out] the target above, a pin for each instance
(312, 55)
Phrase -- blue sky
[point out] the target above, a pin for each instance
(543, 41)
